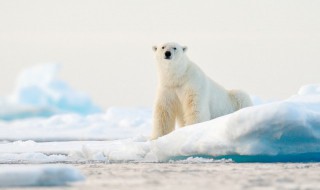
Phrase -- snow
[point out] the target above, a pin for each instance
(311, 89)
(41, 175)
(72, 129)
(40, 93)
(286, 130)
(115, 123)
(198, 160)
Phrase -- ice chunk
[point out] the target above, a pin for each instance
(39, 92)
(41, 175)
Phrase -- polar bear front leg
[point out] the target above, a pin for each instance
(164, 116)
(191, 108)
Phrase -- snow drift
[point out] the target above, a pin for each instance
(40, 93)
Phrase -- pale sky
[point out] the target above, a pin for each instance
(268, 48)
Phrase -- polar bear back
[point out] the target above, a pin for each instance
(214, 97)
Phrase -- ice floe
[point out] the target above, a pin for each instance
(41, 175)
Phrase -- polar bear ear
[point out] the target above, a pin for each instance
(154, 48)
(184, 48)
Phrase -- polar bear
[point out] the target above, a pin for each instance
(186, 95)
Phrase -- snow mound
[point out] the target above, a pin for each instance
(288, 128)
(40, 93)
(43, 175)
(311, 89)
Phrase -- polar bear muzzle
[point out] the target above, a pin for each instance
(167, 55)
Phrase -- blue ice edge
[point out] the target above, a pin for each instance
(282, 158)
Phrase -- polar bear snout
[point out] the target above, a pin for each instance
(167, 55)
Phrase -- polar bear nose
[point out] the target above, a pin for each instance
(167, 54)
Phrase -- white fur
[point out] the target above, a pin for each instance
(186, 95)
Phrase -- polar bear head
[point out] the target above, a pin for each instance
(169, 52)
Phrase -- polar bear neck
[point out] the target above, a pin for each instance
(173, 74)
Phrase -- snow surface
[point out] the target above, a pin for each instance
(286, 130)
(40, 93)
(115, 123)
(41, 175)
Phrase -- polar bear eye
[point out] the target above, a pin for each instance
(175, 48)
(162, 47)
